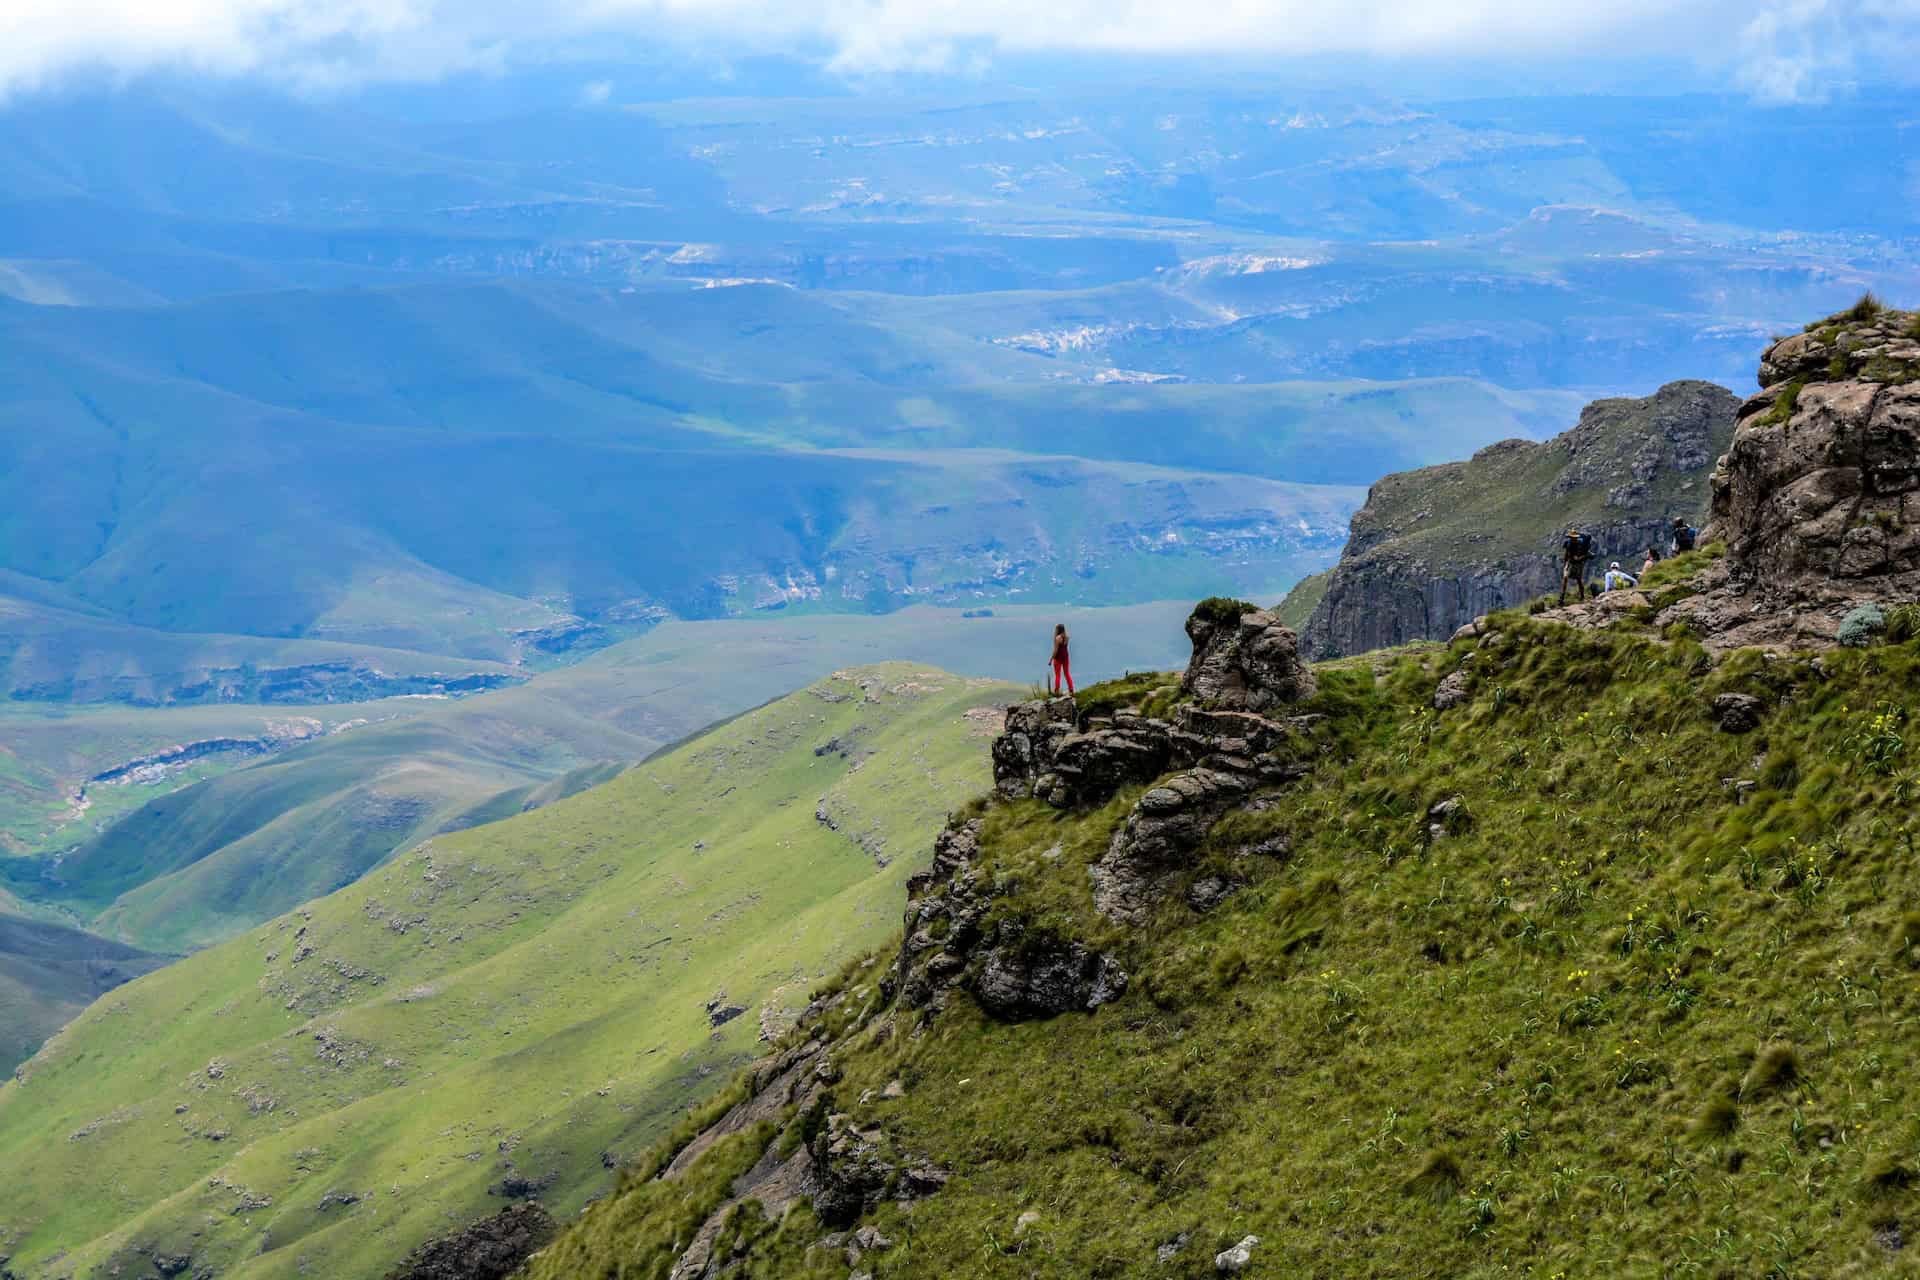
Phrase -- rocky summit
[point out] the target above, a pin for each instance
(1434, 548)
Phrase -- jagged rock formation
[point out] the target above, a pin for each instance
(1817, 499)
(1436, 547)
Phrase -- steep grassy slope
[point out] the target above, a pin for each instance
(195, 857)
(510, 1002)
(1638, 1006)
(49, 973)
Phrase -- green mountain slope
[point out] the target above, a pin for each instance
(200, 854)
(1635, 1005)
(321, 1093)
(49, 973)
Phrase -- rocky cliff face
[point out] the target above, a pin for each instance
(1436, 547)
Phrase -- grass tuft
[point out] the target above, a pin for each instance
(1437, 1179)
(1887, 1174)
(1221, 610)
(1775, 1069)
(1719, 1118)
(1867, 307)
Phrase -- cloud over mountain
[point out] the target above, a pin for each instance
(1780, 49)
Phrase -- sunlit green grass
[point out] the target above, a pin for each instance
(1645, 1012)
(524, 999)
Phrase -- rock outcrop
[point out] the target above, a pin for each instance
(1434, 548)
(1243, 659)
(1817, 498)
(489, 1249)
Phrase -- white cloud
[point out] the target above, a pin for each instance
(1777, 48)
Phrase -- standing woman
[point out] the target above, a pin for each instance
(1060, 668)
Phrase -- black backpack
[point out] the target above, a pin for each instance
(1683, 538)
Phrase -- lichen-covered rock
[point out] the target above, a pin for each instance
(852, 1171)
(1737, 712)
(945, 908)
(1024, 750)
(1248, 663)
(1454, 689)
(1881, 347)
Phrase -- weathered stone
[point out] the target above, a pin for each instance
(1166, 825)
(1737, 712)
(1209, 892)
(1246, 664)
(489, 1249)
(1235, 1260)
(1833, 492)
(1022, 978)
(1455, 689)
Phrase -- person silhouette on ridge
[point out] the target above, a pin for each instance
(1061, 669)
(1574, 554)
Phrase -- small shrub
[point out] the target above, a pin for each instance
(1861, 625)
(1838, 368)
(1437, 1179)
(1903, 623)
(1775, 1068)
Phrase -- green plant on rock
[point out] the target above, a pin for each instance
(1861, 625)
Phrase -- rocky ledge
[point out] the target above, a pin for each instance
(1817, 499)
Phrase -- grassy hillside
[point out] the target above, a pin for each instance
(1638, 1006)
(204, 853)
(49, 973)
(514, 1001)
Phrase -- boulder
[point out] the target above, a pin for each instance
(1454, 689)
(1737, 712)
(1021, 979)
(1248, 662)
(1832, 492)
(489, 1249)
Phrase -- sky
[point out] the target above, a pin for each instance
(1786, 50)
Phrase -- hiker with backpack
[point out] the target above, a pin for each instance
(1618, 578)
(1061, 669)
(1574, 554)
(1684, 535)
